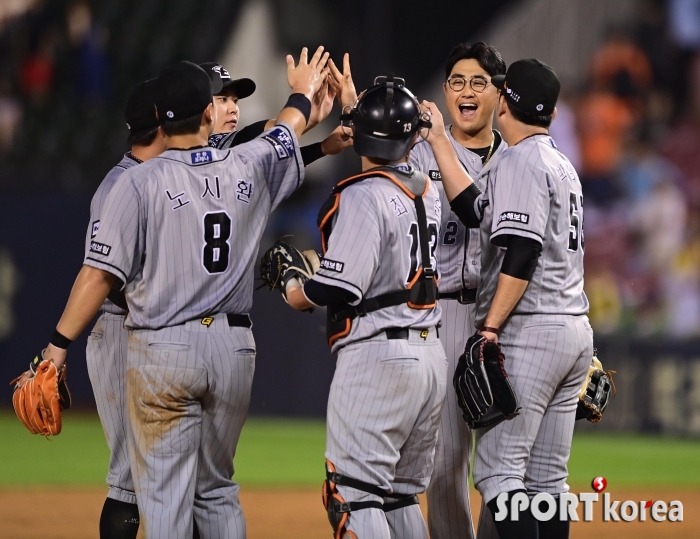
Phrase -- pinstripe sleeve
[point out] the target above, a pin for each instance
(520, 197)
(352, 257)
(115, 246)
(277, 155)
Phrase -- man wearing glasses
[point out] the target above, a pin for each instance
(471, 100)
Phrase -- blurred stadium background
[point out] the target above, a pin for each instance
(629, 120)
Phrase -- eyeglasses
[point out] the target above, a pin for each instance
(478, 84)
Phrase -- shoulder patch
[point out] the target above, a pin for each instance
(435, 175)
(95, 228)
(514, 216)
(281, 141)
(100, 248)
(332, 265)
(202, 156)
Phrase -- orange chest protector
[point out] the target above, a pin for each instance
(421, 292)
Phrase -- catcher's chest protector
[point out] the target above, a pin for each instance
(421, 292)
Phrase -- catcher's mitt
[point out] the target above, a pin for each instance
(283, 262)
(595, 392)
(484, 393)
(40, 395)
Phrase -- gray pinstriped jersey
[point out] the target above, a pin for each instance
(182, 230)
(96, 207)
(534, 192)
(458, 252)
(374, 249)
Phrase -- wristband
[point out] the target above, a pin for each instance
(491, 330)
(301, 103)
(60, 341)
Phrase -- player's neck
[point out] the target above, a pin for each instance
(517, 132)
(144, 153)
(368, 162)
(191, 140)
(480, 139)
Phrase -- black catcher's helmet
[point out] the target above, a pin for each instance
(385, 118)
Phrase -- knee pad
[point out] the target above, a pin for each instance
(337, 508)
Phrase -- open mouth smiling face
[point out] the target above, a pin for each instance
(470, 96)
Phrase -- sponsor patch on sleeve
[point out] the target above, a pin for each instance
(201, 156)
(435, 175)
(514, 216)
(281, 141)
(95, 228)
(100, 248)
(332, 265)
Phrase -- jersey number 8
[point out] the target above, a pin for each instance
(217, 249)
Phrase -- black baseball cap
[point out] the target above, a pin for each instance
(530, 86)
(241, 87)
(140, 111)
(183, 90)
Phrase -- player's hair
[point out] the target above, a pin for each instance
(186, 126)
(142, 138)
(487, 56)
(530, 119)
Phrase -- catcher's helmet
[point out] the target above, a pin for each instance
(385, 118)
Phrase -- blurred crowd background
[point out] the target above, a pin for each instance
(628, 118)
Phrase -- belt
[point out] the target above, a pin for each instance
(402, 333)
(465, 296)
(239, 320)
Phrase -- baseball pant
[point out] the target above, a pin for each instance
(383, 413)
(449, 513)
(106, 363)
(188, 391)
(547, 359)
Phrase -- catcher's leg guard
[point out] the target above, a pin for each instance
(338, 509)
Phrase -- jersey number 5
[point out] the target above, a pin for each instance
(576, 222)
(217, 249)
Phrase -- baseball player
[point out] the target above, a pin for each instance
(181, 232)
(531, 296)
(471, 100)
(228, 115)
(378, 280)
(107, 344)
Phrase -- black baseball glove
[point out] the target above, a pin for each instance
(484, 393)
(595, 392)
(283, 262)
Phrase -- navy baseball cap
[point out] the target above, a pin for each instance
(242, 88)
(140, 111)
(183, 90)
(530, 86)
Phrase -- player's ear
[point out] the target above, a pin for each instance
(554, 113)
(210, 114)
(502, 106)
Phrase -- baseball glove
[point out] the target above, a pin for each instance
(40, 395)
(484, 393)
(282, 263)
(595, 392)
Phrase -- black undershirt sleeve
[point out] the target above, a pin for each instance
(324, 294)
(463, 206)
(249, 132)
(520, 260)
(311, 153)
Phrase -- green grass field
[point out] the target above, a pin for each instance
(279, 452)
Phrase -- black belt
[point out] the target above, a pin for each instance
(402, 333)
(239, 320)
(465, 296)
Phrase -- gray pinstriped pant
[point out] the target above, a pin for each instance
(383, 412)
(106, 363)
(547, 358)
(188, 391)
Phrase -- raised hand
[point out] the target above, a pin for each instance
(336, 142)
(307, 77)
(347, 95)
(322, 103)
(438, 128)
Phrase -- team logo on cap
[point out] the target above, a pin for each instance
(539, 107)
(170, 114)
(221, 70)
